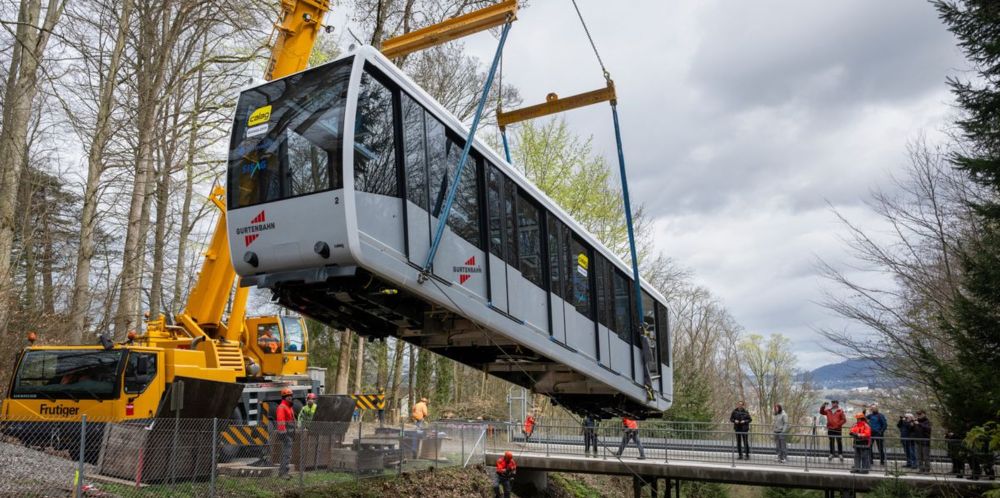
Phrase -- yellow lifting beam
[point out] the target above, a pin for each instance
(451, 29)
(553, 104)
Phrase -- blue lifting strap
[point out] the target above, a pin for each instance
(647, 380)
(506, 148)
(443, 217)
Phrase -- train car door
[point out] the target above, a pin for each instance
(418, 222)
(526, 280)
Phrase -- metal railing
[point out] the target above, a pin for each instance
(806, 448)
(215, 457)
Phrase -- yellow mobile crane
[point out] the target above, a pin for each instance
(249, 359)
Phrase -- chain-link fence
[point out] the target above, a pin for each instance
(802, 447)
(215, 457)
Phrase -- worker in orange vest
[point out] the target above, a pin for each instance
(529, 426)
(631, 432)
(286, 430)
(506, 468)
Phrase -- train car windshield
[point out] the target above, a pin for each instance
(288, 137)
(68, 374)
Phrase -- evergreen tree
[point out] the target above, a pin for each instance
(965, 381)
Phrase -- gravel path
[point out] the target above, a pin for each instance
(29, 472)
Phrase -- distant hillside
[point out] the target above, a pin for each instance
(848, 374)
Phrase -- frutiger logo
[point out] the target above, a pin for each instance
(259, 223)
(58, 410)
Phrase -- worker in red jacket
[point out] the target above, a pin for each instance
(631, 432)
(862, 435)
(835, 420)
(506, 468)
(286, 430)
(529, 426)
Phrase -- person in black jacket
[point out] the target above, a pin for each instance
(741, 419)
(922, 436)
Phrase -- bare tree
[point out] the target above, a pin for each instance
(31, 36)
(929, 218)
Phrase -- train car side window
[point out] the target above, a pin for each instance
(623, 308)
(415, 155)
(579, 271)
(464, 216)
(556, 270)
(139, 372)
(604, 301)
(437, 166)
(374, 140)
(530, 240)
(649, 319)
(509, 203)
(663, 336)
(494, 203)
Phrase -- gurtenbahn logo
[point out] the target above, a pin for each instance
(466, 271)
(258, 224)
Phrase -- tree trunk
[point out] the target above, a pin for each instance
(397, 379)
(359, 365)
(411, 367)
(48, 289)
(344, 362)
(80, 302)
(160, 26)
(19, 93)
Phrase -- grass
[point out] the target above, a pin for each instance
(251, 487)
(577, 488)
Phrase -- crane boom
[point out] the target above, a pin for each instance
(297, 30)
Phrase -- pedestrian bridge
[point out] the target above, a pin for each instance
(709, 455)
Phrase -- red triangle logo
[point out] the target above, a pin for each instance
(463, 277)
(471, 261)
(248, 239)
(260, 218)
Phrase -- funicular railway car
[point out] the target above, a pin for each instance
(337, 176)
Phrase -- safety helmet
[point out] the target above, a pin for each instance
(286, 392)
(311, 396)
(508, 455)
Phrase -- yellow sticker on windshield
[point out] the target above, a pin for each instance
(583, 261)
(260, 116)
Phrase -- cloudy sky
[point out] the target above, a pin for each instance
(744, 122)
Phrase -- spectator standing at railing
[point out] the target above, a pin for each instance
(862, 435)
(905, 426)
(589, 434)
(631, 432)
(506, 469)
(835, 420)
(981, 458)
(286, 430)
(956, 453)
(780, 432)
(922, 437)
(878, 424)
(740, 418)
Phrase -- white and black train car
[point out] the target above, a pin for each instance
(340, 234)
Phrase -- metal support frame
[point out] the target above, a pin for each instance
(443, 218)
(451, 29)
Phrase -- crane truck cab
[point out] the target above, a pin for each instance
(62, 383)
(278, 344)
